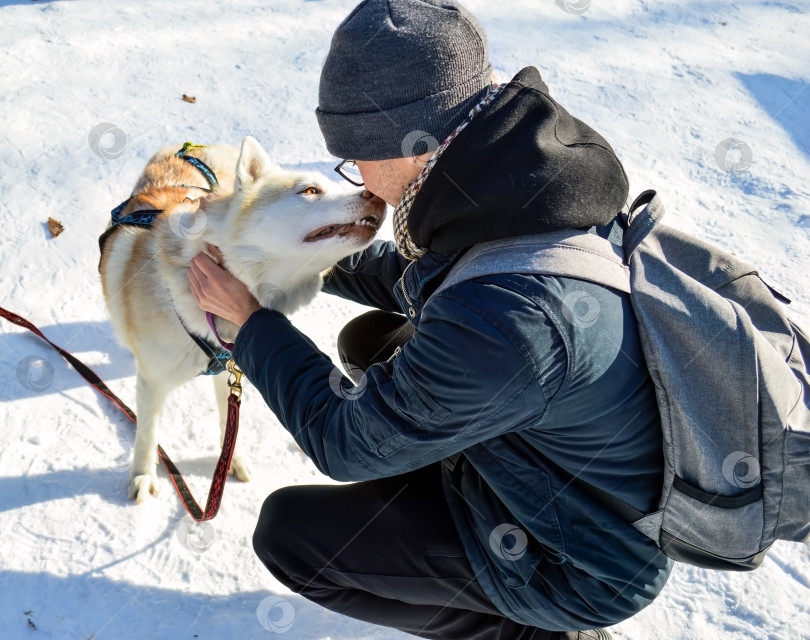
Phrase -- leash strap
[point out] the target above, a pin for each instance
(228, 346)
(220, 471)
(223, 463)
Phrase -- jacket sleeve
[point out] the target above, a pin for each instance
(457, 382)
(369, 276)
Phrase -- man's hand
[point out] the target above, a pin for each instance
(219, 292)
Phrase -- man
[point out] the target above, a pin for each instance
(479, 405)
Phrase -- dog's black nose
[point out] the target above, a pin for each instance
(366, 195)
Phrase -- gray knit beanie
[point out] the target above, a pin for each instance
(400, 76)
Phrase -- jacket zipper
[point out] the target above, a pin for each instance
(411, 310)
(385, 364)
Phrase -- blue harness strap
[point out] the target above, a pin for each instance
(143, 218)
(198, 164)
(146, 218)
(219, 357)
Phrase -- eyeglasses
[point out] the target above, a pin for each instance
(348, 171)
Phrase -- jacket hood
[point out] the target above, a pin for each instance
(522, 166)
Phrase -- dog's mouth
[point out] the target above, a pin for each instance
(366, 227)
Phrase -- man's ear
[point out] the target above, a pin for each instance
(253, 163)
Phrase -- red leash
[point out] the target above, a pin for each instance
(232, 427)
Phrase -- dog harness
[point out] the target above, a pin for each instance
(146, 217)
(218, 356)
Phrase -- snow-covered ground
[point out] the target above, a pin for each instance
(705, 101)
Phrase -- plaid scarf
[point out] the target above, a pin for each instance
(405, 244)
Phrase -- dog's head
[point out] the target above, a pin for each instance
(299, 212)
(288, 226)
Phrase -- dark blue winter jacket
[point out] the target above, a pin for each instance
(512, 370)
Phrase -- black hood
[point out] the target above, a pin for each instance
(523, 166)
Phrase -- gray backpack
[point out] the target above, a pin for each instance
(731, 379)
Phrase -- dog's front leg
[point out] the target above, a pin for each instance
(239, 468)
(143, 473)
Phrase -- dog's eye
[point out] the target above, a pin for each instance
(311, 191)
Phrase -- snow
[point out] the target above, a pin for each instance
(667, 83)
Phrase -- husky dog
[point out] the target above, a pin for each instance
(278, 232)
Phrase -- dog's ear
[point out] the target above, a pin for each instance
(253, 163)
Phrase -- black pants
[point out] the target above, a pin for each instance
(384, 551)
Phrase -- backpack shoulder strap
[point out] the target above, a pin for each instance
(570, 253)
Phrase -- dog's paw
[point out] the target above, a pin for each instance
(141, 486)
(239, 469)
